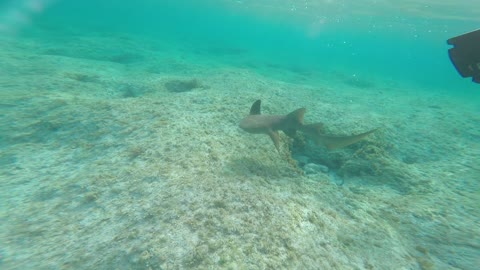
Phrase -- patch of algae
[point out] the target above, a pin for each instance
(287, 153)
(424, 260)
(425, 264)
(367, 160)
(375, 164)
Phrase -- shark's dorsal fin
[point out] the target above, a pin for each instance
(296, 117)
(255, 109)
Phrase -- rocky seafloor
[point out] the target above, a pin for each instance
(134, 160)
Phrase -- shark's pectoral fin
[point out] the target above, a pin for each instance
(275, 138)
(333, 142)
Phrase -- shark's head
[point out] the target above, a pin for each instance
(246, 123)
(251, 122)
(260, 123)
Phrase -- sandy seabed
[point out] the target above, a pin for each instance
(108, 162)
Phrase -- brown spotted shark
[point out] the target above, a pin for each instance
(258, 123)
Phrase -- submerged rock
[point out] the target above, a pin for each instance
(178, 86)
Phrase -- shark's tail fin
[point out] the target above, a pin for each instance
(295, 121)
(314, 131)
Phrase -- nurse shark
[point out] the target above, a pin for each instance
(258, 123)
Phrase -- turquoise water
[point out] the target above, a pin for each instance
(402, 43)
(120, 146)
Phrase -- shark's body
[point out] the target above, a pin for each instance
(258, 123)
